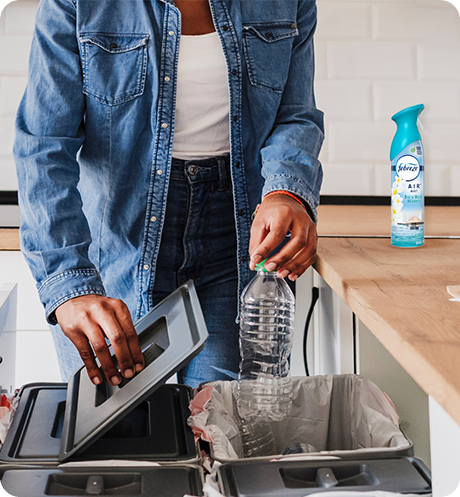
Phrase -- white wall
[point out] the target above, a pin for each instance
(373, 58)
(16, 26)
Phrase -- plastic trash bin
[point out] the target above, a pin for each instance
(142, 419)
(348, 419)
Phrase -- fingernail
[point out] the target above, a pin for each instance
(115, 380)
(284, 273)
(293, 277)
(128, 373)
(139, 368)
(271, 266)
(96, 380)
(256, 258)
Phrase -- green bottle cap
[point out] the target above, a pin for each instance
(261, 266)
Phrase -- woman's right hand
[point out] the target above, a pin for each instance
(87, 321)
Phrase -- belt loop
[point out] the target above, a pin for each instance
(222, 174)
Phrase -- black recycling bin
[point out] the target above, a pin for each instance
(143, 420)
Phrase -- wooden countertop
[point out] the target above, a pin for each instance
(372, 220)
(9, 239)
(400, 294)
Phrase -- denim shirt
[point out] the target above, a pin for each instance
(94, 134)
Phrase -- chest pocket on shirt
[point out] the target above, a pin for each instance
(114, 66)
(267, 50)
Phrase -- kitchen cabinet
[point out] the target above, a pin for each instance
(340, 343)
(402, 308)
(35, 357)
(8, 304)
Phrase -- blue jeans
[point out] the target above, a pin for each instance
(198, 243)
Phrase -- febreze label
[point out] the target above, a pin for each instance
(407, 197)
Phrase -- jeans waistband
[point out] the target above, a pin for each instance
(210, 169)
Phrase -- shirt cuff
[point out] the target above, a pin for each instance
(297, 188)
(67, 285)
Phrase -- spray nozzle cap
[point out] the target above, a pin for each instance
(407, 131)
(419, 121)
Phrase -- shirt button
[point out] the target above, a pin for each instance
(234, 72)
(146, 266)
(294, 25)
(235, 118)
(113, 45)
(237, 164)
(153, 219)
(171, 33)
(224, 27)
(244, 259)
(241, 212)
(167, 78)
(164, 125)
(159, 172)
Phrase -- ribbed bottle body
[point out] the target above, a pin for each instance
(266, 327)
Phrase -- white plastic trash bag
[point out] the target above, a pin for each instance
(337, 414)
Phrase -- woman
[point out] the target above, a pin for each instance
(148, 133)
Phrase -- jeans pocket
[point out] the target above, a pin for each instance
(114, 66)
(267, 51)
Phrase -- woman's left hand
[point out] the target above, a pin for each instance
(277, 216)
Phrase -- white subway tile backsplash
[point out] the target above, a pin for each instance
(345, 100)
(359, 143)
(320, 60)
(442, 100)
(348, 179)
(441, 143)
(382, 175)
(2, 22)
(422, 22)
(437, 179)
(439, 62)
(6, 137)
(14, 54)
(372, 60)
(440, 4)
(344, 21)
(20, 17)
(8, 180)
(455, 180)
(11, 91)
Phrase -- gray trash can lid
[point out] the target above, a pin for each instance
(170, 335)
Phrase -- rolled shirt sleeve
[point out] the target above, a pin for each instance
(54, 232)
(290, 154)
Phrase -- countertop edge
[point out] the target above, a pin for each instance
(424, 373)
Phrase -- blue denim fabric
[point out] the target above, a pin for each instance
(69, 359)
(199, 243)
(95, 128)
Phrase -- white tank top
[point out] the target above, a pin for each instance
(202, 99)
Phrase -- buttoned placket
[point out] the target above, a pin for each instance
(228, 37)
(162, 156)
(163, 149)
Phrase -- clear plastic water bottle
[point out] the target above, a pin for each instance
(266, 326)
(257, 437)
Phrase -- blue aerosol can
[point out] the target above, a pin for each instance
(407, 181)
